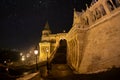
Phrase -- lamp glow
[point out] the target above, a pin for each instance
(36, 52)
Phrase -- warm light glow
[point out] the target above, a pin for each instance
(23, 58)
(21, 54)
(47, 50)
(35, 52)
(5, 61)
(28, 55)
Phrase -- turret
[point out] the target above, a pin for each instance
(46, 30)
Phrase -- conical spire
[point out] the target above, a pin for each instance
(46, 30)
(47, 26)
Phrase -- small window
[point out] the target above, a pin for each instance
(116, 3)
(86, 21)
(94, 16)
(98, 14)
(103, 12)
(110, 6)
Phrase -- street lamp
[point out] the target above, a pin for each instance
(36, 53)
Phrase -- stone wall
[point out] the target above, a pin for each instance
(93, 42)
(102, 48)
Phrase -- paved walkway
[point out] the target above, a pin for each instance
(58, 72)
(63, 72)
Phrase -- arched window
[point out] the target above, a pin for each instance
(102, 10)
(83, 21)
(98, 15)
(110, 6)
(116, 3)
(94, 15)
(86, 21)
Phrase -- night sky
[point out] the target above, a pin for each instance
(21, 21)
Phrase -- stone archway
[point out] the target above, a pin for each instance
(61, 53)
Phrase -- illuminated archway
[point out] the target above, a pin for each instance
(60, 56)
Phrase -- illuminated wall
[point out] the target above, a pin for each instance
(44, 51)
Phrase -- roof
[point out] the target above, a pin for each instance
(47, 26)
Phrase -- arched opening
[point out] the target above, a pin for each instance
(87, 21)
(60, 56)
(103, 12)
(110, 6)
(116, 3)
(97, 13)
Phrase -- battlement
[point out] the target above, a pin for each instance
(97, 10)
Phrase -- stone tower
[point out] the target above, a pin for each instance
(45, 43)
(46, 32)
